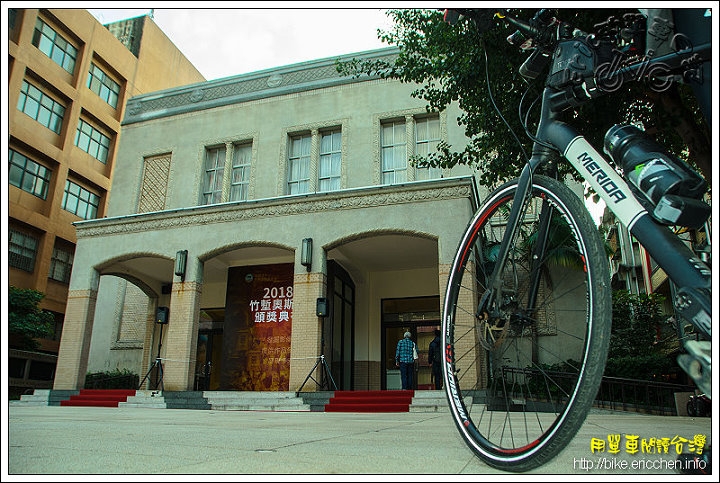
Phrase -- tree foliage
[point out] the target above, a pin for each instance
(638, 340)
(637, 319)
(448, 63)
(25, 318)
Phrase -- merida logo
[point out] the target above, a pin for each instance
(606, 183)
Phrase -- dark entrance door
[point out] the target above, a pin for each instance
(208, 360)
(339, 327)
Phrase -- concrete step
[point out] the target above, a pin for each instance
(255, 401)
(317, 399)
(431, 401)
(145, 399)
(47, 397)
(423, 401)
(186, 400)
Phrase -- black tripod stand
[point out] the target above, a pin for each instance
(324, 384)
(156, 365)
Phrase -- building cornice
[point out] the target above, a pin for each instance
(278, 81)
(232, 212)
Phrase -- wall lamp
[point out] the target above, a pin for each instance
(181, 264)
(306, 253)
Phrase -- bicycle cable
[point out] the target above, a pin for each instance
(524, 120)
(497, 109)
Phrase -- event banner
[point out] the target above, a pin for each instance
(257, 328)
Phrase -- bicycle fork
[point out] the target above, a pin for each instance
(491, 304)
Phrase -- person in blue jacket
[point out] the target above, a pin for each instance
(405, 360)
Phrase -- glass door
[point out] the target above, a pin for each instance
(425, 335)
(208, 359)
(420, 316)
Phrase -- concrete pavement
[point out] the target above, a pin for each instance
(55, 440)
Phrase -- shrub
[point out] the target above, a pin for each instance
(117, 379)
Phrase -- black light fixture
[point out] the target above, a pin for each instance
(306, 253)
(181, 264)
(321, 309)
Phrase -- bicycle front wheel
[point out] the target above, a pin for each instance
(523, 367)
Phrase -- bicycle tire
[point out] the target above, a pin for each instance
(541, 374)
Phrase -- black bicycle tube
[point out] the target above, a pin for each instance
(684, 268)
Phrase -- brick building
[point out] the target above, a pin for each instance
(69, 78)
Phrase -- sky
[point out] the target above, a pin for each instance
(223, 41)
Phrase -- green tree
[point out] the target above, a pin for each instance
(448, 63)
(638, 348)
(26, 320)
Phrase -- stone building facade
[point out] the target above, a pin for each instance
(274, 217)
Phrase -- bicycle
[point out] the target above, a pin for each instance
(527, 310)
(698, 405)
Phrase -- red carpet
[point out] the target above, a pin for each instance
(370, 402)
(99, 397)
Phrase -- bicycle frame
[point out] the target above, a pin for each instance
(684, 268)
(517, 399)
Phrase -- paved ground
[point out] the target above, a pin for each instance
(52, 440)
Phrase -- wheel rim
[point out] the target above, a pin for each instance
(510, 395)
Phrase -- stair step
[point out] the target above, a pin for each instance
(118, 392)
(366, 408)
(320, 401)
(375, 393)
(375, 400)
(239, 406)
(93, 402)
(98, 397)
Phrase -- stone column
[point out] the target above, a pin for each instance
(410, 145)
(307, 326)
(314, 160)
(180, 345)
(74, 350)
(182, 331)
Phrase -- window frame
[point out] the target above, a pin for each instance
(299, 164)
(82, 197)
(428, 145)
(103, 85)
(240, 172)
(393, 146)
(61, 269)
(213, 183)
(97, 143)
(333, 158)
(35, 180)
(19, 254)
(53, 44)
(47, 110)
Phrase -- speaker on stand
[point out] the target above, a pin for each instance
(161, 318)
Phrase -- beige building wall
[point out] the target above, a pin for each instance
(356, 108)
